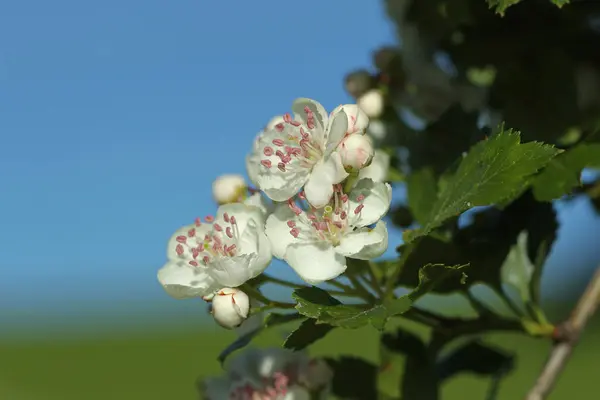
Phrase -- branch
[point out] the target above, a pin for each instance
(567, 335)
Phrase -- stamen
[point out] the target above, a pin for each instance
(359, 209)
(181, 239)
(209, 218)
(179, 249)
(268, 151)
(266, 163)
(291, 224)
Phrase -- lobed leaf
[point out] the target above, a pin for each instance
(494, 170)
(563, 173)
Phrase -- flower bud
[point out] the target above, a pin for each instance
(356, 152)
(372, 103)
(228, 189)
(230, 307)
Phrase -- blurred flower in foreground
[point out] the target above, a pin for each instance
(270, 374)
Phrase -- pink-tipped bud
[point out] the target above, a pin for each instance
(356, 151)
(230, 307)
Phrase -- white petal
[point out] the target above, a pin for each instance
(281, 186)
(278, 231)
(319, 188)
(186, 231)
(243, 214)
(377, 199)
(318, 110)
(231, 271)
(217, 388)
(182, 281)
(253, 166)
(297, 393)
(365, 243)
(336, 131)
(255, 236)
(357, 119)
(378, 170)
(258, 200)
(315, 262)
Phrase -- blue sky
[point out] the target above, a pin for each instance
(116, 116)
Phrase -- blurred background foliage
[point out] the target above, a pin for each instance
(458, 69)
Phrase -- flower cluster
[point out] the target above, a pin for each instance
(318, 198)
(270, 374)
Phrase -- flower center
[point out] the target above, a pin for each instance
(272, 389)
(329, 223)
(220, 242)
(297, 145)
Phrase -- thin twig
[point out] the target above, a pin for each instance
(567, 336)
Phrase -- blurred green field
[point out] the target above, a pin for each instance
(157, 365)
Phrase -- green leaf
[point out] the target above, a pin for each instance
(404, 355)
(517, 269)
(560, 3)
(563, 173)
(353, 378)
(494, 170)
(422, 193)
(485, 244)
(316, 303)
(269, 321)
(500, 6)
(477, 358)
(307, 333)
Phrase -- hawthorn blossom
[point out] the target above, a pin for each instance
(316, 242)
(301, 152)
(222, 251)
(270, 374)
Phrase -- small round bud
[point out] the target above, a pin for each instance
(230, 307)
(372, 103)
(228, 189)
(356, 151)
(359, 82)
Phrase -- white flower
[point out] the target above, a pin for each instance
(315, 243)
(229, 188)
(300, 152)
(372, 103)
(357, 152)
(274, 374)
(225, 251)
(378, 169)
(253, 165)
(230, 307)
